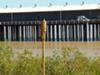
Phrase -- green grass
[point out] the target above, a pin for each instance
(70, 62)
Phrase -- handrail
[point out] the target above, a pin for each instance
(51, 22)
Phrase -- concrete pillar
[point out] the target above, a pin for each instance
(87, 29)
(70, 33)
(91, 32)
(27, 33)
(47, 33)
(95, 32)
(28, 36)
(9, 33)
(61, 27)
(63, 32)
(67, 32)
(24, 33)
(33, 30)
(53, 36)
(51, 33)
(20, 33)
(82, 32)
(4, 33)
(14, 33)
(35, 33)
(55, 33)
(74, 32)
(78, 35)
(31, 33)
(59, 33)
(98, 31)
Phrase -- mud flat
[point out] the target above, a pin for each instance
(91, 49)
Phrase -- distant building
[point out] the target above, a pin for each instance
(13, 23)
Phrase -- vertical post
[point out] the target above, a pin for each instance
(95, 32)
(4, 33)
(87, 32)
(20, 33)
(43, 36)
(24, 33)
(67, 32)
(82, 32)
(74, 32)
(91, 33)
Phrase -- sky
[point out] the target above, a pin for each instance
(31, 3)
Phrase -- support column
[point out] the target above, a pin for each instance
(14, 38)
(51, 37)
(12, 32)
(33, 30)
(67, 32)
(49, 31)
(87, 31)
(9, 33)
(31, 34)
(57, 30)
(28, 35)
(99, 32)
(91, 32)
(74, 32)
(24, 33)
(35, 33)
(82, 32)
(59, 33)
(97, 28)
(20, 33)
(95, 32)
(78, 33)
(55, 33)
(4, 33)
(63, 32)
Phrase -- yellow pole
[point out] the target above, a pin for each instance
(43, 35)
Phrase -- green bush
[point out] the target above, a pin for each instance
(70, 62)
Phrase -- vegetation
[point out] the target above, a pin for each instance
(70, 62)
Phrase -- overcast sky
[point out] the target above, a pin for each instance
(30, 3)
